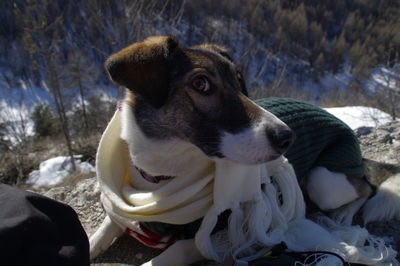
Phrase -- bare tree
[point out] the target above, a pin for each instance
(14, 124)
(75, 76)
(388, 95)
(43, 27)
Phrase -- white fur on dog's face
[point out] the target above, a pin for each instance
(158, 157)
(251, 146)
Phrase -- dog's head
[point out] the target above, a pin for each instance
(197, 95)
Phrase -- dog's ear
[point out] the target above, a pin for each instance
(143, 68)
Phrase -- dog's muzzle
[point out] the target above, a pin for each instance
(281, 138)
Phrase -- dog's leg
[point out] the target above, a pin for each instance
(103, 237)
(338, 193)
(329, 190)
(182, 252)
(385, 205)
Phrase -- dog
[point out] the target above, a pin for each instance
(178, 98)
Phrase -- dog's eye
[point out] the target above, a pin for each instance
(201, 84)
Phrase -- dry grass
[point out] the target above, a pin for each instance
(352, 96)
(349, 97)
(38, 150)
(281, 89)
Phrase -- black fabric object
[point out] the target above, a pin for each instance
(185, 231)
(36, 230)
(279, 256)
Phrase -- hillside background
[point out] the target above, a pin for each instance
(56, 97)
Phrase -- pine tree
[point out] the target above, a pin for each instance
(319, 65)
(316, 33)
(338, 51)
(355, 53)
(43, 121)
(297, 26)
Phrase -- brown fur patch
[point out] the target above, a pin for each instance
(377, 172)
(143, 67)
(362, 187)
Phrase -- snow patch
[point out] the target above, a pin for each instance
(56, 170)
(386, 78)
(360, 116)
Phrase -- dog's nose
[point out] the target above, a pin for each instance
(281, 139)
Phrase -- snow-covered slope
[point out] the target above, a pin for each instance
(360, 116)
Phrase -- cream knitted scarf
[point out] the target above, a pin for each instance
(262, 208)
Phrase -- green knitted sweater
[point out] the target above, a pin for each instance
(322, 139)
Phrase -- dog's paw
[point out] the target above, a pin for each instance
(102, 239)
(342, 217)
(97, 247)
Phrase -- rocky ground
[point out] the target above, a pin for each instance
(381, 144)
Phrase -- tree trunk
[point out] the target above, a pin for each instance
(81, 92)
(55, 90)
